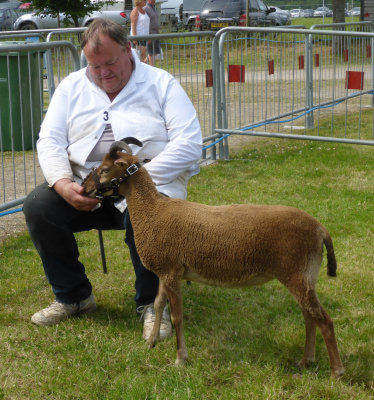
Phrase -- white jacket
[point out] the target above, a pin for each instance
(152, 107)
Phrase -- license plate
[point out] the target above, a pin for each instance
(219, 24)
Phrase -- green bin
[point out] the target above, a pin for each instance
(21, 93)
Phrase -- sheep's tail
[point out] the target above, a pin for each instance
(331, 260)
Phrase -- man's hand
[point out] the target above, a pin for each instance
(72, 193)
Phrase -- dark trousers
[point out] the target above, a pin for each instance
(52, 223)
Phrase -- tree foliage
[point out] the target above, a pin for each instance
(72, 9)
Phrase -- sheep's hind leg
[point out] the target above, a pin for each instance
(159, 306)
(176, 308)
(310, 340)
(307, 298)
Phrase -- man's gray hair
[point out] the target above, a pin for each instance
(107, 27)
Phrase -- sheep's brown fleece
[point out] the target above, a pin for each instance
(230, 245)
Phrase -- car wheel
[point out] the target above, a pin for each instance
(28, 27)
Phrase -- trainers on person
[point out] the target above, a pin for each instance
(58, 312)
(148, 314)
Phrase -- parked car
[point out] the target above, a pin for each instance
(354, 12)
(279, 17)
(296, 13)
(216, 14)
(169, 14)
(46, 21)
(322, 12)
(281, 11)
(7, 18)
(308, 13)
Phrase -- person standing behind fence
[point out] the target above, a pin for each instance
(140, 26)
(153, 46)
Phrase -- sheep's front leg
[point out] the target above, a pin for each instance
(175, 298)
(159, 306)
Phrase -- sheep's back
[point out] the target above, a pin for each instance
(233, 243)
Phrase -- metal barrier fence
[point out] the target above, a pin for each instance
(243, 82)
(281, 82)
(186, 56)
(21, 113)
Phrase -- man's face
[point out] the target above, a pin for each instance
(110, 65)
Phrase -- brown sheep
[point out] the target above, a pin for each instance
(229, 245)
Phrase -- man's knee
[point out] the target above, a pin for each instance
(40, 202)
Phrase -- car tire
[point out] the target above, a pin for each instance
(29, 26)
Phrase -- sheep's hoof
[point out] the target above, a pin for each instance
(151, 343)
(179, 362)
(337, 373)
(304, 363)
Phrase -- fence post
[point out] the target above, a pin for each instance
(372, 69)
(222, 117)
(309, 81)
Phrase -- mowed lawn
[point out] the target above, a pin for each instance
(242, 343)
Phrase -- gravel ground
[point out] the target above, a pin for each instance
(14, 172)
(11, 225)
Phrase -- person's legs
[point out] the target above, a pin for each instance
(52, 222)
(146, 282)
(153, 48)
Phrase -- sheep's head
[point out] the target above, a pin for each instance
(117, 165)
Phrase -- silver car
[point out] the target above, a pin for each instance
(322, 12)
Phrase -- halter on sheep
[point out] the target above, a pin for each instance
(232, 246)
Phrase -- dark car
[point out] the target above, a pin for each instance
(217, 14)
(7, 18)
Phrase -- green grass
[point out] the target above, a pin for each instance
(243, 344)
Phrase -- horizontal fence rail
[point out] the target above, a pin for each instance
(281, 82)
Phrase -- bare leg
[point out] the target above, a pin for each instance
(151, 60)
(143, 54)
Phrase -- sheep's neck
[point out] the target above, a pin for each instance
(140, 192)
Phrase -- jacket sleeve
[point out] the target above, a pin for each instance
(185, 140)
(53, 140)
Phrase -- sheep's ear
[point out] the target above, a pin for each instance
(121, 163)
